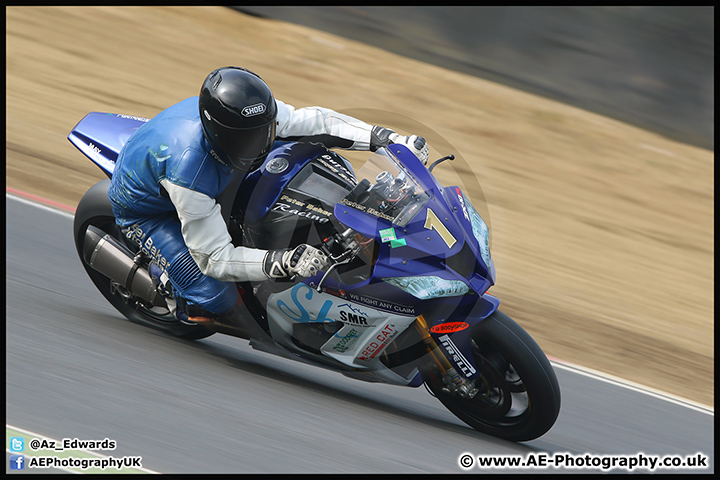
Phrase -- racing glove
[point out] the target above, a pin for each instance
(303, 260)
(382, 137)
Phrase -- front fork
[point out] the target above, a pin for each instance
(455, 384)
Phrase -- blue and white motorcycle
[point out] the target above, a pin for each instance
(403, 301)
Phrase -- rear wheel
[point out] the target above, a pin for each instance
(519, 395)
(94, 209)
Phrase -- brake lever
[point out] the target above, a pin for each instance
(336, 262)
(436, 162)
(344, 258)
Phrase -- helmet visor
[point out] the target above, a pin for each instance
(245, 147)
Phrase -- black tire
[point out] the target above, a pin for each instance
(519, 395)
(94, 209)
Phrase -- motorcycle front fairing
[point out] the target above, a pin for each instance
(435, 260)
(426, 256)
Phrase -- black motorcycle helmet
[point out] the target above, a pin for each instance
(238, 115)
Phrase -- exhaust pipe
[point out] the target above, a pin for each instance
(114, 260)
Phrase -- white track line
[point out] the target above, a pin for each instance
(621, 382)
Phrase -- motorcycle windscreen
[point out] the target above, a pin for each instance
(387, 190)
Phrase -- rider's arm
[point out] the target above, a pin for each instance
(207, 238)
(322, 125)
(337, 130)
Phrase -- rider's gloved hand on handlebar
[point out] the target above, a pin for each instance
(382, 137)
(303, 260)
(416, 144)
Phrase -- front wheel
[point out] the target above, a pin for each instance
(94, 209)
(518, 395)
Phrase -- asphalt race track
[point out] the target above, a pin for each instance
(77, 369)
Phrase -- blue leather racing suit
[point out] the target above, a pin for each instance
(163, 194)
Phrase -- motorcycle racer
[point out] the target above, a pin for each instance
(171, 170)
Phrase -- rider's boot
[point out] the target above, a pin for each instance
(187, 314)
